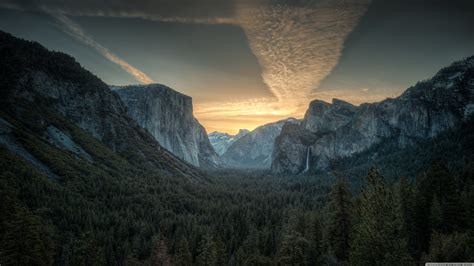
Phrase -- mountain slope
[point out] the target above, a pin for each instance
(52, 99)
(332, 131)
(222, 141)
(254, 150)
(168, 116)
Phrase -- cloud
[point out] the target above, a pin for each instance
(190, 9)
(298, 45)
(76, 31)
(296, 42)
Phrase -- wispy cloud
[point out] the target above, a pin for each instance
(77, 32)
(297, 43)
(297, 47)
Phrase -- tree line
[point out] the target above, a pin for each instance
(241, 220)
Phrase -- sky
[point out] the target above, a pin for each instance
(249, 62)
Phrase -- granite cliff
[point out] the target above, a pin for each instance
(222, 141)
(336, 130)
(168, 116)
(51, 105)
(254, 150)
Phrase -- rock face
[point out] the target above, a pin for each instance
(168, 116)
(40, 88)
(222, 141)
(339, 129)
(254, 150)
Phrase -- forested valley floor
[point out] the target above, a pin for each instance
(236, 218)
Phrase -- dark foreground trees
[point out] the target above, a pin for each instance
(252, 219)
(379, 238)
(339, 228)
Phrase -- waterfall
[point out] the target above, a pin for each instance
(307, 161)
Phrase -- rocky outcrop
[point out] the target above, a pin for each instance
(40, 88)
(254, 150)
(222, 141)
(332, 131)
(325, 117)
(168, 116)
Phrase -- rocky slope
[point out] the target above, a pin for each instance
(254, 150)
(336, 130)
(222, 141)
(168, 116)
(51, 102)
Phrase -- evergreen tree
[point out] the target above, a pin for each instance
(86, 251)
(221, 253)
(183, 255)
(160, 256)
(378, 238)
(293, 246)
(407, 203)
(24, 240)
(339, 220)
(438, 205)
(207, 252)
(315, 236)
(449, 248)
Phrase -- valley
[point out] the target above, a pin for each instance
(93, 174)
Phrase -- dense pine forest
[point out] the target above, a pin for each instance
(357, 217)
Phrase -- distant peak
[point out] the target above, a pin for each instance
(152, 87)
(318, 102)
(243, 131)
(336, 101)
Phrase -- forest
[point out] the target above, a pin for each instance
(240, 217)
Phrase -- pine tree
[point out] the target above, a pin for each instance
(294, 245)
(24, 240)
(407, 203)
(160, 256)
(315, 236)
(292, 249)
(221, 254)
(86, 251)
(448, 248)
(207, 252)
(183, 255)
(340, 221)
(438, 205)
(378, 238)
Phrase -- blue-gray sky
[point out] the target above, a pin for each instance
(246, 62)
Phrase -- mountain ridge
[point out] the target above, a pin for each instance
(422, 111)
(42, 89)
(254, 150)
(222, 141)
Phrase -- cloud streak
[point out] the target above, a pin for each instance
(76, 31)
(297, 46)
(296, 42)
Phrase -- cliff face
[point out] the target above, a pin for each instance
(168, 116)
(40, 88)
(336, 130)
(222, 141)
(254, 150)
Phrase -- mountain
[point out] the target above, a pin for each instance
(222, 141)
(66, 122)
(331, 131)
(254, 150)
(168, 116)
